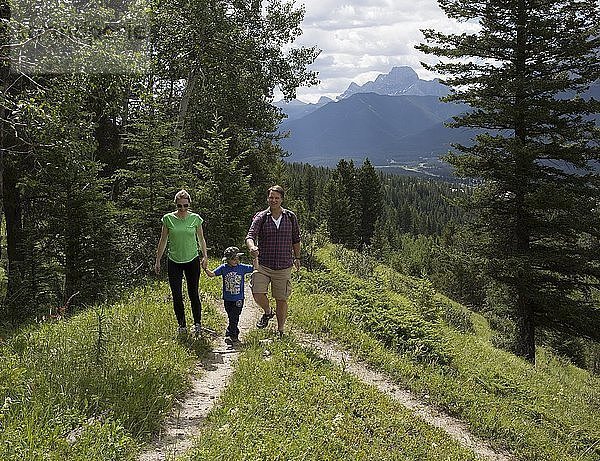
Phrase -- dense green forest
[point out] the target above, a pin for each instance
(99, 130)
(92, 158)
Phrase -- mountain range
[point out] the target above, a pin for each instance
(384, 128)
(297, 109)
(396, 121)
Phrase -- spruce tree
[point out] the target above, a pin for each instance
(346, 177)
(224, 191)
(371, 200)
(310, 189)
(524, 74)
(339, 211)
(69, 225)
(148, 183)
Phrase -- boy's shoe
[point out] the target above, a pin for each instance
(228, 340)
(264, 320)
(235, 339)
(181, 330)
(197, 329)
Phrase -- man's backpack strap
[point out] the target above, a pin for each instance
(263, 219)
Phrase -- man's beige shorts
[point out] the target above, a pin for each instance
(281, 286)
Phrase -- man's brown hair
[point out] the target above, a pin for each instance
(277, 189)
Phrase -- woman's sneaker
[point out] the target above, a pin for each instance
(197, 329)
(264, 320)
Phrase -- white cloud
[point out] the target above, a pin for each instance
(361, 39)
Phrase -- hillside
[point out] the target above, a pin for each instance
(442, 351)
(97, 385)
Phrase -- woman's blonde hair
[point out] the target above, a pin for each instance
(183, 194)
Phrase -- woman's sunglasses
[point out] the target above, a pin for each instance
(184, 205)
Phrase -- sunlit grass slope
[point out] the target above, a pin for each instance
(285, 403)
(94, 386)
(442, 352)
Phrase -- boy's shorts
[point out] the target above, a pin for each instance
(280, 280)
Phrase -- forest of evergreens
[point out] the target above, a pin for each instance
(91, 159)
(98, 133)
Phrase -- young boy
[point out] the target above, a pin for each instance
(233, 273)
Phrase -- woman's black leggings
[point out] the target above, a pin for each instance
(192, 278)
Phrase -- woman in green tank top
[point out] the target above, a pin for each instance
(182, 232)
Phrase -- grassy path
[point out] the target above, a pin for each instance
(188, 417)
(445, 355)
(454, 427)
(208, 382)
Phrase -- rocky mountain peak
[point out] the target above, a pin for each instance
(399, 81)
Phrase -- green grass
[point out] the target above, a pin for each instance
(550, 411)
(95, 386)
(285, 403)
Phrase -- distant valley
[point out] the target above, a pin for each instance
(397, 121)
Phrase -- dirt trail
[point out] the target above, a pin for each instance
(455, 428)
(187, 417)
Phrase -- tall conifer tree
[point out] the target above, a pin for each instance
(224, 191)
(339, 211)
(348, 188)
(149, 181)
(371, 200)
(524, 73)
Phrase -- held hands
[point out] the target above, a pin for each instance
(254, 251)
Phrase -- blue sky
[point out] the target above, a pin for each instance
(361, 39)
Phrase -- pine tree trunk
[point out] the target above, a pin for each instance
(184, 105)
(11, 199)
(72, 277)
(4, 74)
(524, 165)
(525, 328)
